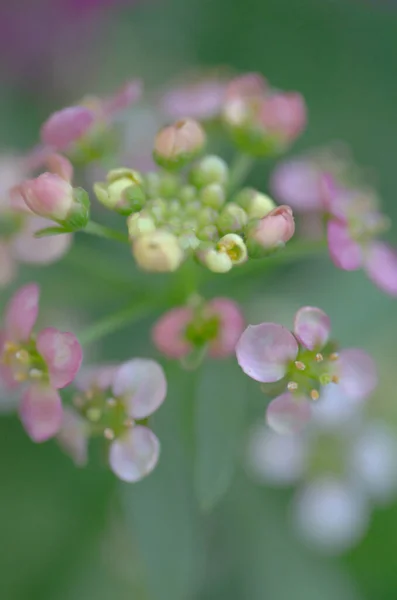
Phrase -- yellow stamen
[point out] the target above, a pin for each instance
(292, 386)
(108, 433)
(300, 365)
(319, 357)
(314, 395)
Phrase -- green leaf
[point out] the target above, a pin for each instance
(161, 511)
(219, 421)
(51, 231)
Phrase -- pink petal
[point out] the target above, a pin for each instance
(67, 126)
(357, 373)
(312, 327)
(99, 377)
(168, 333)
(134, 455)
(381, 267)
(30, 250)
(231, 326)
(264, 350)
(60, 165)
(21, 313)
(143, 386)
(62, 354)
(41, 412)
(200, 100)
(123, 98)
(73, 436)
(298, 184)
(288, 413)
(344, 251)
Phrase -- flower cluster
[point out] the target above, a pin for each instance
(41, 364)
(115, 402)
(303, 361)
(343, 466)
(350, 209)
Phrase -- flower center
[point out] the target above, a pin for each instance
(311, 370)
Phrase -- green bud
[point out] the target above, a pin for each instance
(139, 224)
(158, 251)
(152, 184)
(187, 194)
(188, 241)
(208, 233)
(206, 216)
(157, 209)
(168, 185)
(210, 169)
(213, 195)
(233, 245)
(256, 204)
(232, 218)
(122, 192)
(193, 208)
(174, 207)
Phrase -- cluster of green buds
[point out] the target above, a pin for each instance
(186, 208)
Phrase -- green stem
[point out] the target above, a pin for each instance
(105, 232)
(239, 170)
(112, 323)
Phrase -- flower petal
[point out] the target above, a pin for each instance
(21, 313)
(357, 373)
(288, 414)
(168, 333)
(66, 126)
(123, 98)
(143, 385)
(312, 327)
(62, 354)
(298, 184)
(41, 412)
(231, 326)
(264, 350)
(381, 267)
(98, 376)
(344, 251)
(134, 455)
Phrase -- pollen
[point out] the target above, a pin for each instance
(314, 395)
(319, 357)
(334, 356)
(108, 433)
(292, 386)
(300, 365)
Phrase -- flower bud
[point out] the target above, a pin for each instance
(177, 144)
(60, 165)
(123, 191)
(271, 232)
(213, 195)
(139, 224)
(256, 204)
(158, 251)
(208, 233)
(48, 196)
(210, 169)
(232, 218)
(206, 216)
(233, 245)
(168, 185)
(187, 194)
(215, 260)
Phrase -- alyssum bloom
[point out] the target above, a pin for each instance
(115, 402)
(40, 363)
(303, 361)
(214, 326)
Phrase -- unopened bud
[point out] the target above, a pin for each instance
(187, 194)
(233, 245)
(256, 204)
(139, 224)
(209, 233)
(215, 260)
(179, 143)
(210, 169)
(232, 218)
(213, 195)
(122, 192)
(206, 216)
(49, 196)
(271, 232)
(158, 251)
(168, 185)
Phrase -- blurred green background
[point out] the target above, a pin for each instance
(69, 534)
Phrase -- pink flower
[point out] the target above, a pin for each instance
(178, 143)
(218, 324)
(305, 360)
(352, 231)
(201, 99)
(42, 364)
(70, 125)
(48, 196)
(117, 400)
(299, 183)
(274, 230)
(262, 121)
